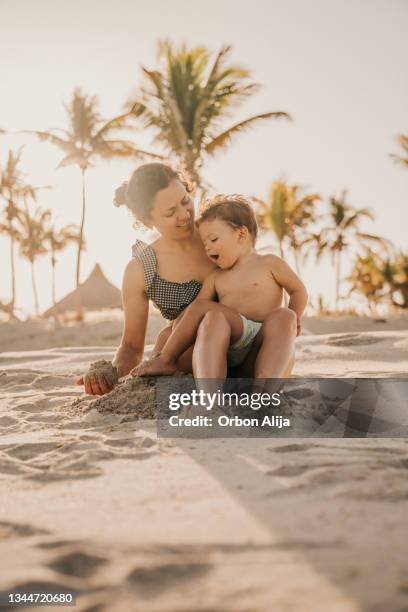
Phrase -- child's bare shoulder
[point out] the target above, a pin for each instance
(270, 261)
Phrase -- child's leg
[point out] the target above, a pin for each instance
(184, 334)
(210, 352)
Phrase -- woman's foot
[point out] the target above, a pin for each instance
(156, 366)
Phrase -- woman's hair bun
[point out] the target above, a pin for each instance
(120, 194)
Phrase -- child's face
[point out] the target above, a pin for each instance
(223, 244)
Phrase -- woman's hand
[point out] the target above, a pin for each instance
(95, 384)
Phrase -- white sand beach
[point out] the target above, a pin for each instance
(93, 503)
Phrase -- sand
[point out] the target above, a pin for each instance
(93, 502)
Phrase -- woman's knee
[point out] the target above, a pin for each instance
(162, 337)
(282, 319)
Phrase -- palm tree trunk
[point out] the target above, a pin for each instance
(13, 271)
(53, 279)
(34, 290)
(81, 231)
(194, 176)
(337, 279)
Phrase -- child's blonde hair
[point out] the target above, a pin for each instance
(234, 210)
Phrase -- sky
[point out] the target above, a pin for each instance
(339, 68)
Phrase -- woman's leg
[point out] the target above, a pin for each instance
(162, 338)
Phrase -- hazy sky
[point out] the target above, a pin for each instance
(338, 67)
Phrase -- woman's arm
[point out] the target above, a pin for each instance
(135, 309)
(130, 351)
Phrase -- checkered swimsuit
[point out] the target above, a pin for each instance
(169, 297)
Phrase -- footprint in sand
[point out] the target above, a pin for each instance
(353, 340)
(6, 421)
(56, 544)
(12, 467)
(120, 443)
(79, 564)
(153, 581)
(28, 451)
(19, 530)
(45, 418)
(291, 448)
(288, 470)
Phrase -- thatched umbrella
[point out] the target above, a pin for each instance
(93, 294)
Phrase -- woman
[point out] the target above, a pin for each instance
(170, 272)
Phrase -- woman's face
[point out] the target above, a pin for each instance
(173, 212)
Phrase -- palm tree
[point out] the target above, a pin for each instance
(187, 99)
(402, 159)
(342, 230)
(288, 214)
(395, 272)
(13, 189)
(32, 236)
(273, 214)
(378, 277)
(87, 139)
(367, 277)
(58, 241)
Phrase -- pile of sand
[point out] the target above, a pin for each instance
(135, 396)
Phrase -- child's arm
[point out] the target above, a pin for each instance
(288, 280)
(208, 291)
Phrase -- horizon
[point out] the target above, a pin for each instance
(342, 79)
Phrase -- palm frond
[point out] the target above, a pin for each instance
(117, 123)
(124, 148)
(223, 139)
(399, 160)
(374, 238)
(70, 160)
(64, 145)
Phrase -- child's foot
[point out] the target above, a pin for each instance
(155, 366)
